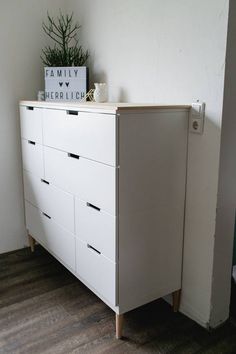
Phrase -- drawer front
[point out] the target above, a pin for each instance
(56, 203)
(89, 180)
(52, 236)
(89, 135)
(97, 270)
(97, 228)
(32, 157)
(31, 123)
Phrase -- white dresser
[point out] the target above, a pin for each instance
(104, 189)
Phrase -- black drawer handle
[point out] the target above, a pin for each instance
(30, 108)
(93, 206)
(72, 113)
(44, 181)
(73, 156)
(47, 216)
(93, 249)
(31, 142)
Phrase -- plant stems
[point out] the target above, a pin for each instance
(66, 50)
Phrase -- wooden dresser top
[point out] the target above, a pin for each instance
(110, 107)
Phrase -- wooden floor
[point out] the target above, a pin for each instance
(45, 309)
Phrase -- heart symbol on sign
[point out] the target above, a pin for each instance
(67, 84)
(60, 83)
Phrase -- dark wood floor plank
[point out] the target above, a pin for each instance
(44, 309)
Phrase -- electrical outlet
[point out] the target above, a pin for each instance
(197, 115)
(196, 126)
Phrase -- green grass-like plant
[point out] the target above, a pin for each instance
(66, 50)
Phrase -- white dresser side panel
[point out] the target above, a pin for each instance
(152, 178)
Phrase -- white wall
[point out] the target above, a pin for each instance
(226, 204)
(170, 51)
(21, 75)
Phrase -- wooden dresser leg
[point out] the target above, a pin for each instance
(31, 242)
(119, 325)
(176, 300)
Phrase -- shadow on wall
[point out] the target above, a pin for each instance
(119, 93)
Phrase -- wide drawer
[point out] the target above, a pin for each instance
(89, 135)
(96, 227)
(98, 271)
(32, 157)
(55, 238)
(91, 181)
(56, 203)
(31, 123)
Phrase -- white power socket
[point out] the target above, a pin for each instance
(197, 116)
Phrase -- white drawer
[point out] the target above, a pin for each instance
(98, 271)
(31, 123)
(90, 135)
(91, 181)
(96, 227)
(58, 204)
(56, 239)
(32, 157)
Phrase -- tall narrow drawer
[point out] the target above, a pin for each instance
(32, 157)
(50, 199)
(31, 123)
(56, 239)
(96, 270)
(91, 181)
(90, 135)
(96, 227)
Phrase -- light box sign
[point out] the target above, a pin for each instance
(65, 83)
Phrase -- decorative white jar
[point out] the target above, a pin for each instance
(100, 93)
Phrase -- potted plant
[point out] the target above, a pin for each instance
(66, 76)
